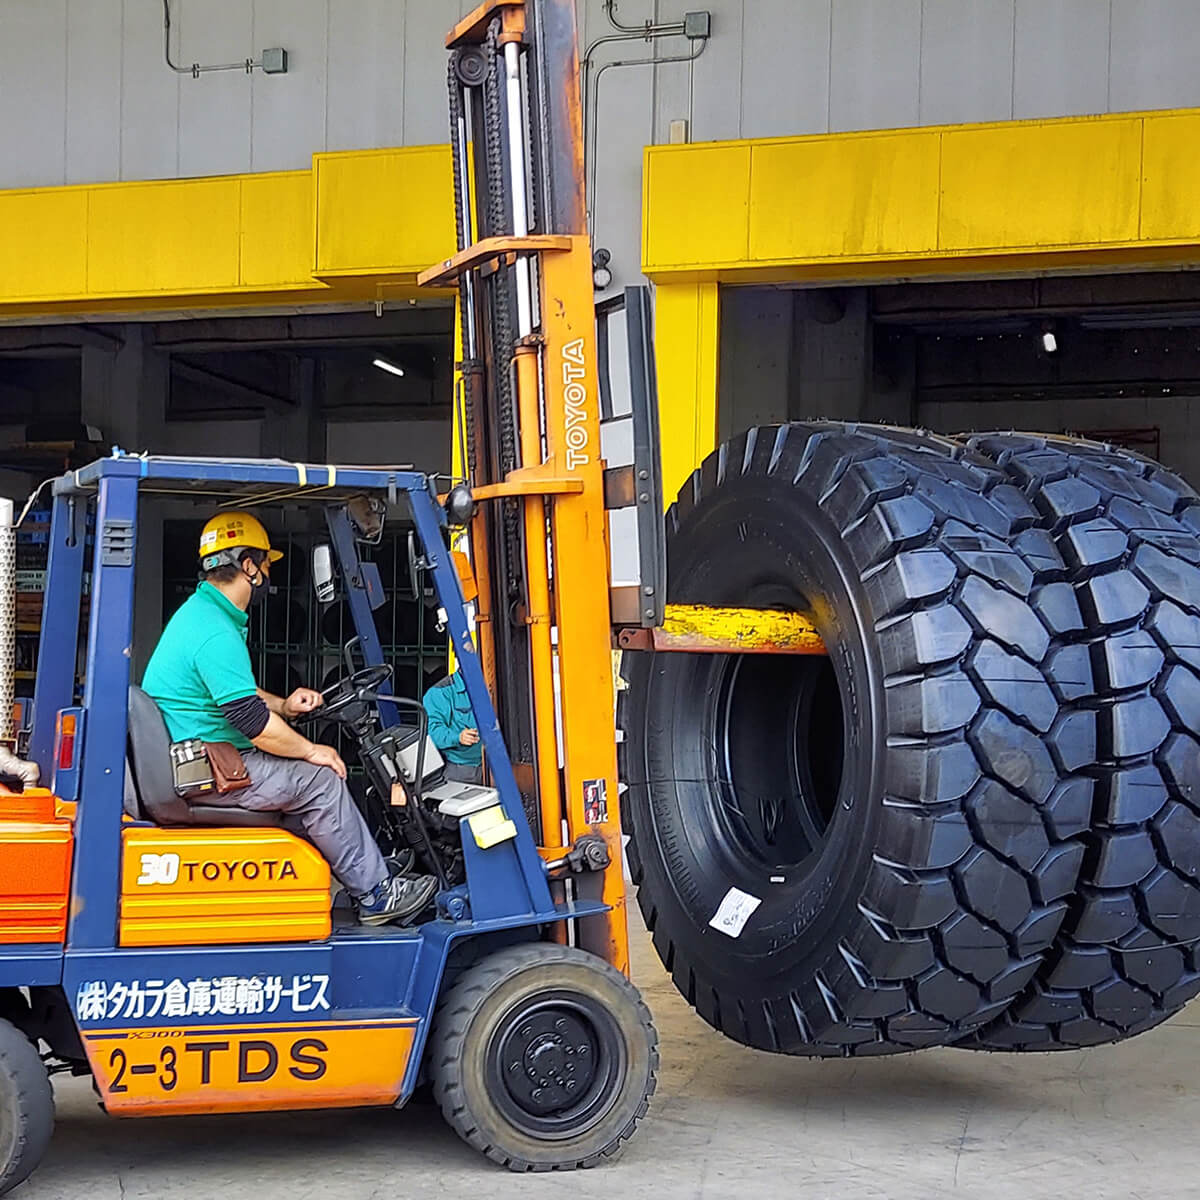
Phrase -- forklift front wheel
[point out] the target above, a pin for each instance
(26, 1107)
(543, 1057)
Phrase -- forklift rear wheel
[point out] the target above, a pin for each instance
(26, 1107)
(543, 1057)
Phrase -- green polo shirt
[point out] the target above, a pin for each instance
(200, 663)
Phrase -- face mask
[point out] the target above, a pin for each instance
(259, 587)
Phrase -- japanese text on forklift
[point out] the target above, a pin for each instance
(159, 951)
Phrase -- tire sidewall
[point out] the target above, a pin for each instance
(26, 1107)
(799, 921)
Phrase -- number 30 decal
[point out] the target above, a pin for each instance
(159, 868)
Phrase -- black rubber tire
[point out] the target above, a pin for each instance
(1126, 958)
(947, 853)
(463, 1050)
(26, 1107)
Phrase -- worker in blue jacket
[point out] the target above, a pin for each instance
(453, 729)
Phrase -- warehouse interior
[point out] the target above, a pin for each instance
(341, 386)
(1114, 357)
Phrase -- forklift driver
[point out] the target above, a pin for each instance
(201, 679)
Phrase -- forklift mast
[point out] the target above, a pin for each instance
(530, 410)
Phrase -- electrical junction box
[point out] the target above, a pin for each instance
(274, 61)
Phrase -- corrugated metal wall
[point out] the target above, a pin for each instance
(85, 95)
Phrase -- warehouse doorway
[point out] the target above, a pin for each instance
(342, 387)
(1115, 357)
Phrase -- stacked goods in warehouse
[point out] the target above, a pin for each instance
(971, 822)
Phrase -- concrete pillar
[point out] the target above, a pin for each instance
(831, 355)
(756, 358)
(124, 394)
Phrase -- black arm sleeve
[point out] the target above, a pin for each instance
(248, 716)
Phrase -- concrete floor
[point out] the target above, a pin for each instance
(1120, 1122)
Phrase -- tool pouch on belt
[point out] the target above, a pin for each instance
(191, 771)
(228, 767)
(201, 769)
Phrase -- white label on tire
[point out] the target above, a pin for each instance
(734, 911)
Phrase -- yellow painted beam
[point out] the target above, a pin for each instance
(1011, 197)
(359, 225)
(686, 334)
(383, 212)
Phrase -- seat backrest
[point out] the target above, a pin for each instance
(150, 759)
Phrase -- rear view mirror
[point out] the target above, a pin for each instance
(416, 566)
(322, 573)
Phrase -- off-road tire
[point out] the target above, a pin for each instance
(1128, 954)
(951, 843)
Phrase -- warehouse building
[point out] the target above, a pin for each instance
(950, 214)
(957, 215)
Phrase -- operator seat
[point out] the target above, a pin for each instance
(149, 753)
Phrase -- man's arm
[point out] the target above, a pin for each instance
(269, 732)
(280, 739)
(302, 700)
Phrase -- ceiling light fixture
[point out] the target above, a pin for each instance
(1049, 339)
(389, 367)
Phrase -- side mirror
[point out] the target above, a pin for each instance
(322, 573)
(416, 564)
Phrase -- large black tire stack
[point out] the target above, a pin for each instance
(1009, 855)
(950, 846)
(1129, 534)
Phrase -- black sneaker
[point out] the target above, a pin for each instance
(399, 898)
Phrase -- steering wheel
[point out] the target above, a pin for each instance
(359, 688)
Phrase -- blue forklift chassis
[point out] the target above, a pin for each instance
(358, 978)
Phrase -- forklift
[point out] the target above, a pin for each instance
(188, 958)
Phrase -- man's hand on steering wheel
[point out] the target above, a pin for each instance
(359, 688)
(302, 701)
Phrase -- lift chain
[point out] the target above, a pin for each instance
(497, 214)
(455, 96)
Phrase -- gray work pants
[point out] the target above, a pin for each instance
(462, 773)
(316, 804)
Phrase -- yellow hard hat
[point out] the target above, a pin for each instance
(232, 530)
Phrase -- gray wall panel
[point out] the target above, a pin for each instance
(966, 61)
(1155, 51)
(631, 100)
(875, 54)
(1061, 52)
(149, 96)
(220, 32)
(785, 80)
(717, 74)
(86, 95)
(33, 92)
(288, 111)
(93, 118)
(366, 74)
(425, 117)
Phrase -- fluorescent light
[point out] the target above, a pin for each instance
(389, 367)
(1049, 342)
